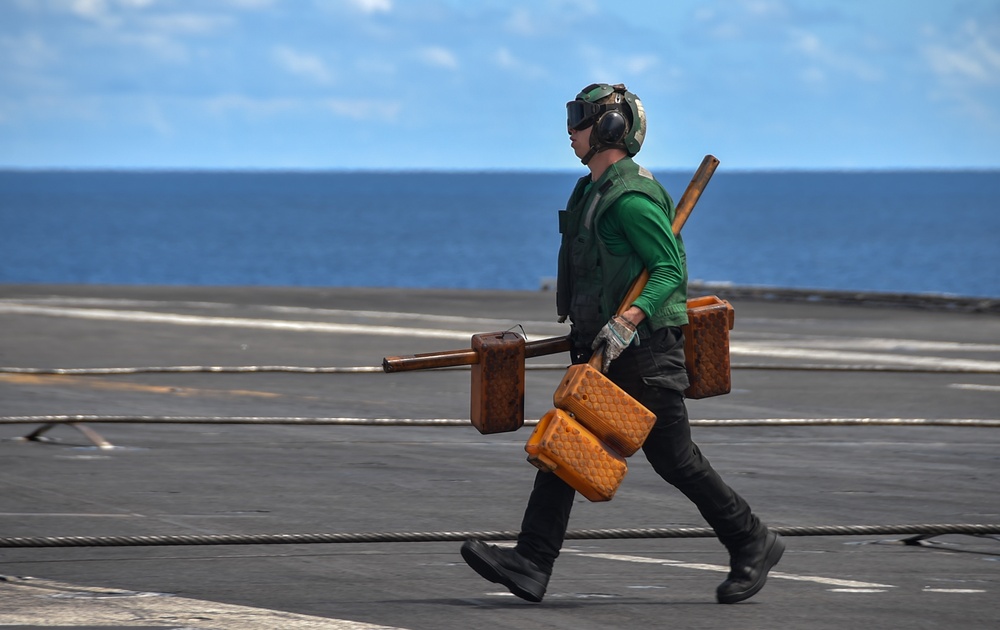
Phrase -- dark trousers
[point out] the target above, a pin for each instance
(645, 372)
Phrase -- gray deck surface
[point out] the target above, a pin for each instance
(191, 479)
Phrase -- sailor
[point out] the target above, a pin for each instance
(618, 222)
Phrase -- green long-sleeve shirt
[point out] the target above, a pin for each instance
(634, 222)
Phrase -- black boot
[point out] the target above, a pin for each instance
(748, 568)
(505, 566)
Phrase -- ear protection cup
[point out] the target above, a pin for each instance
(611, 128)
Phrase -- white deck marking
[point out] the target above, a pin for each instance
(718, 568)
(478, 322)
(809, 348)
(976, 387)
(871, 343)
(150, 317)
(785, 350)
(30, 601)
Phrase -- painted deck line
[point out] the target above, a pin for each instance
(479, 322)
(718, 568)
(785, 349)
(150, 317)
(976, 387)
(34, 602)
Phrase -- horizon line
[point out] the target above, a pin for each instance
(471, 171)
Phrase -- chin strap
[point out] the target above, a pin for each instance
(595, 150)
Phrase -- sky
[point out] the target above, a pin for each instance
(482, 85)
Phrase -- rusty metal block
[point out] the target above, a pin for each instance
(706, 346)
(498, 382)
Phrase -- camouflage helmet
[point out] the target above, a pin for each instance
(617, 115)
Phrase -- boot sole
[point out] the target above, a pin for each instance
(773, 556)
(490, 570)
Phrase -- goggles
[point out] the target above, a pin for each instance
(581, 114)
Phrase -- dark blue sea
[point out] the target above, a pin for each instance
(910, 231)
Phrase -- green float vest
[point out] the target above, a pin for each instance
(592, 281)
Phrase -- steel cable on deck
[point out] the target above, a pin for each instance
(460, 422)
(190, 369)
(365, 369)
(410, 537)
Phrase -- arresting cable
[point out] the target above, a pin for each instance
(919, 532)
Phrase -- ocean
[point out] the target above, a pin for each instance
(900, 232)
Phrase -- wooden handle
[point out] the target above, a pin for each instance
(430, 360)
(453, 358)
(693, 192)
(553, 345)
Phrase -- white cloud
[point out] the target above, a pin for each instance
(506, 60)
(159, 33)
(611, 67)
(439, 56)
(949, 63)
(99, 12)
(89, 8)
(826, 61)
(638, 64)
(521, 22)
(154, 117)
(158, 44)
(807, 43)
(273, 62)
(105, 12)
(82, 108)
(553, 18)
(372, 6)
(260, 108)
(255, 107)
(364, 110)
(250, 4)
(975, 59)
(301, 64)
(813, 75)
(187, 23)
(375, 67)
(766, 8)
(967, 68)
(28, 51)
